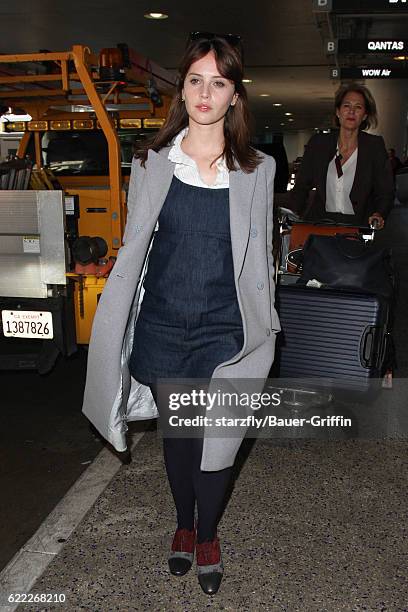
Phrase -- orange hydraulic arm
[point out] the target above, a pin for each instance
(82, 59)
(115, 175)
(38, 92)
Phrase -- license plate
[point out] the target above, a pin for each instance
(27, 324)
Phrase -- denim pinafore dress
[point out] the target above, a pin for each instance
(189, 321)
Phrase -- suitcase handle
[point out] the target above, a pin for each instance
(366, 347)
(368, 355)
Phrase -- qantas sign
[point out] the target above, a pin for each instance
(364, 46)
(385, 45)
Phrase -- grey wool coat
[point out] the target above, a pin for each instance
(112, 397)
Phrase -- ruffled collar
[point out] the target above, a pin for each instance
(177, 155)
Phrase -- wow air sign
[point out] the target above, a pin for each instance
(369, 72)
(361, 6)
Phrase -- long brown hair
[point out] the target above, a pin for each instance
(237, 120)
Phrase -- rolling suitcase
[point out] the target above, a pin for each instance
(333, 335)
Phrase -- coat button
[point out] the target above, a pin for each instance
(260, 286)
(268, 331)
(253, 232)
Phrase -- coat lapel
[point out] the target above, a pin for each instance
(159, 172)
(242, 186)
(323, 156)
(359, 174)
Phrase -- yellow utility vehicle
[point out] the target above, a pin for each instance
(63, 196)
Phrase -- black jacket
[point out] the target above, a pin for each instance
(373, 187)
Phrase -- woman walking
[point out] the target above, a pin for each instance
(208, 291)
(349, 168)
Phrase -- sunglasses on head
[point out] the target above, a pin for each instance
(233, 39)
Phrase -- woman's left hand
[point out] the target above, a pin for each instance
(377, 219)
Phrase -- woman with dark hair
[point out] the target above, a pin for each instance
(208, 291)
(349, 168)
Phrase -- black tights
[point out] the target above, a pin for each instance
(190, 485)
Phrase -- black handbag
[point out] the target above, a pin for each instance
(345, 262)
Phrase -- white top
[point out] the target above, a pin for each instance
(338, 189)
(186, 169)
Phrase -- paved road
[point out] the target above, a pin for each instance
(45, 444)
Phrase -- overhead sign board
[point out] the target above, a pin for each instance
(361, 6)
(369, 72)
(384, 46)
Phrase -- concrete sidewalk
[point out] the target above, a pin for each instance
(310, 526)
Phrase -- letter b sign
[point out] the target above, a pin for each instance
(331, 46)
